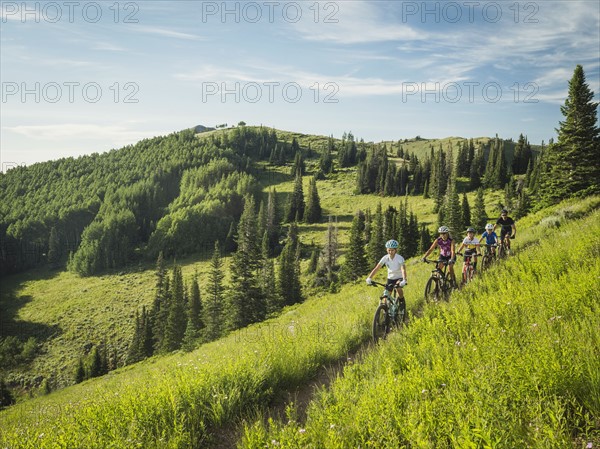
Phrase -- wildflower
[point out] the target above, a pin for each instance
(332, 426)
(423, 391)
(302, 430)
(275, 442)
(41, 435)
(589, 445)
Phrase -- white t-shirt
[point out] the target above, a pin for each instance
(393, 265)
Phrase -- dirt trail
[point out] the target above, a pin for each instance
(300, 396)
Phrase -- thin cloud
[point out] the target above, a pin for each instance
(164, 32)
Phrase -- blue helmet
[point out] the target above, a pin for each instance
(391, 244)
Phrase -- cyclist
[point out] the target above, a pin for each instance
(447, 251)
(471, 245)
(507, 227)
(490, 237)
(394, 262)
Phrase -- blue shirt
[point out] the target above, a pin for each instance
(490, 239)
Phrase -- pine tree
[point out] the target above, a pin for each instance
(246, 302)
(6, 397)
(54, 248)
(329, 254)
(465, 211)
(135, 352)
(296, 205)
(213, 310)
(313, 205)
(288, 276)
(452, 209)
(80, 374)
(266, 278)
(572, 165)
(355, 264)
(479, 215)
(273, 227)
(195, 305)
(160, 306)
(376, 243)
(177, 317)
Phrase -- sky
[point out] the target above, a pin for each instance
(80, 77)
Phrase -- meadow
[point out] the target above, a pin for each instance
(511, 361)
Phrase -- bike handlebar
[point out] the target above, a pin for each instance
(445, 262)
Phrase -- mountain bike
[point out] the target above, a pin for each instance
(468, 271)
(504, 250)
(390, 313)
(440, 284)
(489, 257)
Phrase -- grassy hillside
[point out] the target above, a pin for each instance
(512, 361)
(478, 353)
(68, 314)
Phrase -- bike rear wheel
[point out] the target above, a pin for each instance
(381, 323)
(487, 262)
(432, 290)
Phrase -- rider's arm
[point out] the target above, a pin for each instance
(374, 271)
(431, 248)
(514, 230)
(403, 269)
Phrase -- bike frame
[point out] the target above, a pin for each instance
(395, 312)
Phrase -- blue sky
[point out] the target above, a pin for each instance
(82, 77)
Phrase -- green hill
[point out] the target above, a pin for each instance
(511, 360)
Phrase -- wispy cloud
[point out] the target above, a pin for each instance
(165, 32)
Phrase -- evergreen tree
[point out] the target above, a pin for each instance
(313, 204)
(160, 306)
(54, 248)
(6, 397)
(213, 310)
(195, 305)
(572, 165)
(266, 278)
(355, 264)
(273, 220)
(177, 317)
(288, 276)
(95, 368)
(466, 211)
(329, 254)
(246, 302)
(452, 209)
(479, 216)
(424, 240)
(296, 205)
(135, 354)
(376, 243)
(80, 374)
(509, 194)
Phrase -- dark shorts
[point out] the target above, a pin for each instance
(444, 258)
(470, 252)
(391, 283)
(504, 232)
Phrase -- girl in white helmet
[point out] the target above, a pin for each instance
(394, 262)
(447, 250)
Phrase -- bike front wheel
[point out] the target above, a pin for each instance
(381, 323)
(432, 290)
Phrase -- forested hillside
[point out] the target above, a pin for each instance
(181, 240)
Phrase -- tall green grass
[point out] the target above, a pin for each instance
(513, 361)
(176, 401)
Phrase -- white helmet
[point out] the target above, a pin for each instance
(489, 227)
(443, 230)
